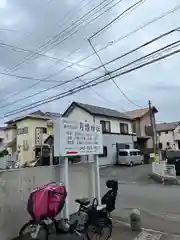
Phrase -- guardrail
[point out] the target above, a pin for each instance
(164, 170)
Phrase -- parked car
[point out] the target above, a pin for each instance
(130, 157)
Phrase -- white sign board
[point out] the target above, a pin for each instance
(79, 138)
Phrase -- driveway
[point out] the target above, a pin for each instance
(159, 204)
(135, 174)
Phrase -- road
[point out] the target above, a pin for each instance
(159, 205)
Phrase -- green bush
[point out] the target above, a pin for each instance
(3, 153)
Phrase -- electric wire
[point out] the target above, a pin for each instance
(85, 86)
(134, 61)
(84, 74)
(107, 73)
(54, 74)
(53, 42)
(118, 17)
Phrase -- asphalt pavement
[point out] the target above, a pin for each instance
(159, 204)
(121, 231)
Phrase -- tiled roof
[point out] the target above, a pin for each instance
(95, 110)
(138, 113)
(38, 115)
(52, 114)
(162, 127)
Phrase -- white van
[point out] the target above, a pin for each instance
(130, 157)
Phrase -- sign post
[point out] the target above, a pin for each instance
(77, 139)
(66, 182)
(98, 178)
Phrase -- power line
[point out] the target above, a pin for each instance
(77, 31)
(115, 59)
(85, 86)
(122, 38)
(15, 48)
(119, 39)
(108, 74)
(101, 96)
(54, 74)
(117, 18)
(127, 35)
(54, 40)
(29, 78)
(128, 64)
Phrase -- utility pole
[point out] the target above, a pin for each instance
(153, 128)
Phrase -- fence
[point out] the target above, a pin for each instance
(164, 170)
(16, 184)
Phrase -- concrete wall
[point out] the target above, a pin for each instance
(15, 186)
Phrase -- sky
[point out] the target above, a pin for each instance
(46, 42)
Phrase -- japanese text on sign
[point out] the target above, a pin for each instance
(79, 138)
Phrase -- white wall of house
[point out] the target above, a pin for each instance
(172, 137)
(79, 114)
(177, 134)
(9, 136)
(109, 139)
(164, 137)
(2, 137)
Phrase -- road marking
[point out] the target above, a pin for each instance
(172, 216)
(148, 236)
(148, 229)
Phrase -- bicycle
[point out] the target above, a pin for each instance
(96, 219)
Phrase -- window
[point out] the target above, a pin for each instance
(23, 130)
(104, 154)
(124, 128)
(44, 130)
(127, 146)
(106, 126)
(133, 153)
(123, 153)
(159, 133)
(134, 127)
(166, 132)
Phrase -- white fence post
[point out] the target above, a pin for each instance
(164, 170)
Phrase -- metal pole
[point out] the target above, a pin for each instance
(93, 177)
(41, 144)
(51, 154)
(66, 181)
(97, 179)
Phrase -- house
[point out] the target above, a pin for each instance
(141, 120)
(168, 134)
(2, 138)
(25, 136)
(116, 128)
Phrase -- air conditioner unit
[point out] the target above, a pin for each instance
(25, 145)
